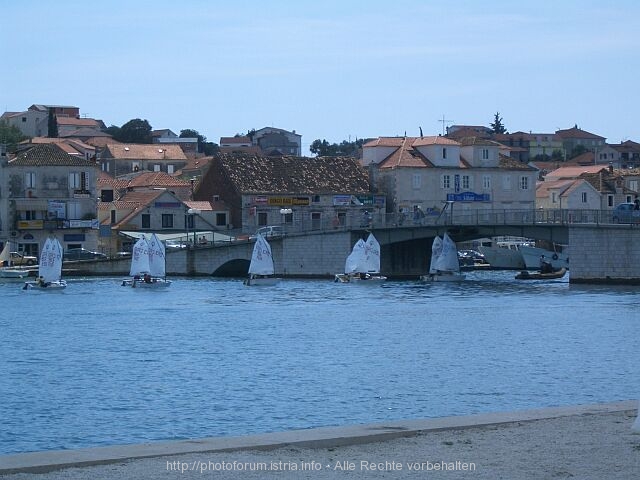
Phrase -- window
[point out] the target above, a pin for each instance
(486, 182)
(524, 183)
(262, 219)
(506, 182)
(146, 220)
(156, 168)
(446, 182)
(30, 215)
(170, 169)
(113, 217)
(316, 199)
(189, 221)
(167, 220)
(485, 154)
(444, 153)
(30, 180)
(610, 200)
(221, 219)
(554, 197)
(584, 197)
(74, 180)
(466, 182)
(416, 181)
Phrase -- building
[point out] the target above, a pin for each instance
(124, 158)
(48, 192)
(574, 139)
(268, 141)
(429, 173)
(303, 193)
(156, 211)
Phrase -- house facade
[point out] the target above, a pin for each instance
(429, 173)
(302, 193)
(156, 211)
(48, 192)
(121, 159)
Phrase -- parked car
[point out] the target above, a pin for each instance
(83, 254)
(270, 231)
(18, 258)
(626, 213)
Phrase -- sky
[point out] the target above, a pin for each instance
(333, 70)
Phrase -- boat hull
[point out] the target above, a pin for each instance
(443, 277)
(503, 258)
(355, 278)
(531, 256)
(261, 282)
(155, 283)
(13, 273)
(56, 286)
(525, 275)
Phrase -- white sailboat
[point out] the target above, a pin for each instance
(7, 271)
(49, 269)
(148, 264)
(363, 263)
(261, 269)
(445, 266)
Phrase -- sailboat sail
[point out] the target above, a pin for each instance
(261, 259)
(436, 251)
(372, 251)
(5, 256)
(447, 261)
(157, 261)
(50, 264)
(356, 260)
(140, 258)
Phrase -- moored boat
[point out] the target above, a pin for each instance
(526, 275)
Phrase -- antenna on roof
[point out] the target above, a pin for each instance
(420, 131)
(444, 123)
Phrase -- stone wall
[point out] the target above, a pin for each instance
(610, 255)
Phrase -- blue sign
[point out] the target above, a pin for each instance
(468, 197)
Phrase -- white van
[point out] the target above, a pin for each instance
(270, 231)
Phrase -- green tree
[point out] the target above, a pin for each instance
(208, 148)
(10, 135)
(135, 131)
(114, 131)
(322, 148)
(497, 126)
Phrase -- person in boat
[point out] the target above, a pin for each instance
(545, 265)
(41, 283)
(147, 278)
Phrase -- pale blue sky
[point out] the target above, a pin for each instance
(333, 70)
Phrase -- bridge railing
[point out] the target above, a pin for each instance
(373, 220)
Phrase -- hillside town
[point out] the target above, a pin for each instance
(74, 178)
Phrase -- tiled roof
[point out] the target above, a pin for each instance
(604, 182)
(137, 151)
(78, 122)
(156, 179)
(575, 132)
(508, 163)
(543, 188)
(575, 172)
(49, 155)
(118, 205)
(243, 139)
(405, 156)
(479, 141)
(291, 175)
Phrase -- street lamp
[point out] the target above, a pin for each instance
(284, 212)
(192, 212)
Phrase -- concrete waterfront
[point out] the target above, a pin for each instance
(586, 442)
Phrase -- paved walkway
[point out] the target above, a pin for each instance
(580, 442)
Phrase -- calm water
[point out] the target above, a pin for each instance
(101, 364)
